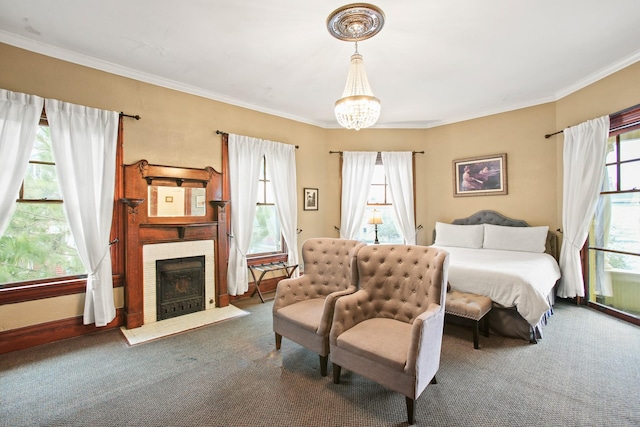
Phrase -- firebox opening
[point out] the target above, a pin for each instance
(180, 285)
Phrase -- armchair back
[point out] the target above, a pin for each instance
(330, 264)
(403, 281)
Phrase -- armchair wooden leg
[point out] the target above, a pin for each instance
(336, 373)
(434, 380)
(410, 409)
(324, 360)
(278, 341)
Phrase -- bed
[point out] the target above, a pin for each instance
(508, 261)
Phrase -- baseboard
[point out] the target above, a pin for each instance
(44, 333)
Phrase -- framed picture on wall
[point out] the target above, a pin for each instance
(480, 176)
(310, 198)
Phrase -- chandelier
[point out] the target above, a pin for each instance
(358, 108)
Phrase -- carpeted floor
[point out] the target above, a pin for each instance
(585, 372)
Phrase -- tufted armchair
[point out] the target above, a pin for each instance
(390, 330)
(303, 306)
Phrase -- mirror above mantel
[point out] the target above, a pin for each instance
(171, 194)
(168, 201)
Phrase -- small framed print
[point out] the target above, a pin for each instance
(480, 176)
(310, 198)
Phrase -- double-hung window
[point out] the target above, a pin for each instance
(37, 244)
(266, 238)
(380, 209)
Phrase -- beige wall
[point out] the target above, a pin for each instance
(531, 167)
(178, 129)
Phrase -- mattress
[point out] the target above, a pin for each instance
(523, 280)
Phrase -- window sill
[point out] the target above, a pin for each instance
(40, 290)
(265, 259)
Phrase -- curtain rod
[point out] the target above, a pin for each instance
(137, 117)
(219, 132)
(340, 152)
(549, 135)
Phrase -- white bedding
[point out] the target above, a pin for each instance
(510, 278)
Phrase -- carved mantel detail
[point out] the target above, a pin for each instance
(132, 206)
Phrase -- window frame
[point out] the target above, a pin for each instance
(21, 199)
(385, 204)
(385, 186)
(625, 121)
(266, 257)
(69, 285)
(386, 183)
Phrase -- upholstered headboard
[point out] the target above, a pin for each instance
(495, 218)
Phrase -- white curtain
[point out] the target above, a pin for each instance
(84, 141)
(585, 147)
(357, 174)
(245, 155)
(398, 168)
(281, 171)
(19, 117)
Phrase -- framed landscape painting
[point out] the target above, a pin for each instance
(480, 176)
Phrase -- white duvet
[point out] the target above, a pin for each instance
(510, 278)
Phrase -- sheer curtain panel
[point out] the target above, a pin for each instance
(83, 141)
(584, 154)
(398, 168)
(19, 117)
(245, 155)
(281, 171)
(357, 174)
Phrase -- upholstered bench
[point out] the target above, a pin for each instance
(469, 306)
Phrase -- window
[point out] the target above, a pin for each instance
(614, 240)
(380, 205)
(266, 237)
(37, 243)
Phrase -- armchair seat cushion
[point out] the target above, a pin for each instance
(382, 340)
(304, 314)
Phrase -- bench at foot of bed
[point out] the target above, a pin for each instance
(469, 306)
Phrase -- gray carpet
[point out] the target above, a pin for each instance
(585, 372)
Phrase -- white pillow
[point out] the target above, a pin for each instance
(464, 236)
(524, 239)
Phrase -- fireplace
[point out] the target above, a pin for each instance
(150, 237)
(180, 286)
(156, 256)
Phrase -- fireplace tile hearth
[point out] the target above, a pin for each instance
(180, 324)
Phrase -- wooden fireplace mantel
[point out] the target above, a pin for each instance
(142, 229)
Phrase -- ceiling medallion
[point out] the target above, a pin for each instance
(356, 21)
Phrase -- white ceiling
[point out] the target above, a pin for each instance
(434, 62)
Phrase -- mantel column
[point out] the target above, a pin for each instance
(221, 253)
(133, 294)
